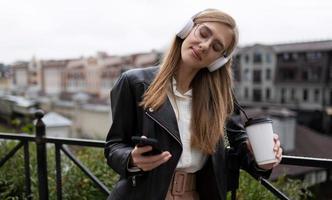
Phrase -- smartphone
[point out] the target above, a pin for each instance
(140, 142)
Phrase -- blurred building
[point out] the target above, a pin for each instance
(20, 80)
(53, 82)
(295, 75)
(5, 83)
(255, 74)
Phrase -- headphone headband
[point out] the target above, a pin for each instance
(185, 31)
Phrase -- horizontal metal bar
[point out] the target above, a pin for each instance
(286, 160)
(11, 153)
(17, 136)
(306, 161)
(86, 170)
(273, 189)
(76, 141)
(58, 140)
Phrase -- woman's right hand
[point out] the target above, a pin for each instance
(147, 163)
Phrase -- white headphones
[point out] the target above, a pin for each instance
(184, 32)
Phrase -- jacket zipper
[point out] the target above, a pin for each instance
(160, 124)
(134, 181)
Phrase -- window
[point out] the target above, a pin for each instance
(330, 73)
(257, 95)
(246, 58)
(305, 75)
(285, 56)
(316, 74)
(313, 56)
(257, 76)
(293, 92)
(283, 95)
(305, 95)
(268, 74)
(295, 56)
(316, 95)
(246, 74)
(257, 57)
(246, 93)
(268, 58)
(287, 74)
(267, 93)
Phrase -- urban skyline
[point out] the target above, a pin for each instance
(62, 29)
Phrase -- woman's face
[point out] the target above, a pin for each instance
(205, 43)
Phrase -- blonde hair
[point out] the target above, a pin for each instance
(212, 100)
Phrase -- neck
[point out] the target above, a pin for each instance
(184, 75)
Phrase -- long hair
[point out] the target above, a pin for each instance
(212, 101)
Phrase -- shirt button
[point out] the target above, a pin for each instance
(151, 110)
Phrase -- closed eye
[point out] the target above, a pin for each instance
(217, 47)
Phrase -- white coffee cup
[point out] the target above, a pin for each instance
(260, 135)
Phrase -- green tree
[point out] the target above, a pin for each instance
(250, 188)
(75, 184)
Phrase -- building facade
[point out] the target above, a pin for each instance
(297, 76)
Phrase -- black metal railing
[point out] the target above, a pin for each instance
(41, 153)
(41, 141)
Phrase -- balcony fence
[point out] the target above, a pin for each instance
(60, 145)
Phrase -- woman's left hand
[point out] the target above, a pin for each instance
(277, 151)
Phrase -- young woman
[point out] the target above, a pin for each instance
(186, 105)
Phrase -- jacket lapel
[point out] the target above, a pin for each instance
(166, 118)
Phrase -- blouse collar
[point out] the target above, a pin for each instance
(186, 95)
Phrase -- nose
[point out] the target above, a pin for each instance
(204, 45)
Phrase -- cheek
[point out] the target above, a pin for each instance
(185, 51)
(185, 57)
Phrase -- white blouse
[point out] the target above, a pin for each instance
(192, 159)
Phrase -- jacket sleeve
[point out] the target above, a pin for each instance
(118, 142)
(239, 155)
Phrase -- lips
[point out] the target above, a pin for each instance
(196, 54)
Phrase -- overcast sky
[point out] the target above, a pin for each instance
(73, 28)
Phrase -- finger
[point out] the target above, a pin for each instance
(152, 159)
(279, 154)
(137, 153)
(150, 166)
(143, 149)
(276, 146)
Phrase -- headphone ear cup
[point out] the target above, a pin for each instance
(184, 32)
(218, 63)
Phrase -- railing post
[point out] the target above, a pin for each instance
(41, 156)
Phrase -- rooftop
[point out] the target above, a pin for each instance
(324, 45)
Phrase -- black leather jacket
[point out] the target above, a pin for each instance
(129, 119)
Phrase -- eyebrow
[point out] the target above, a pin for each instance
(211, 32)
